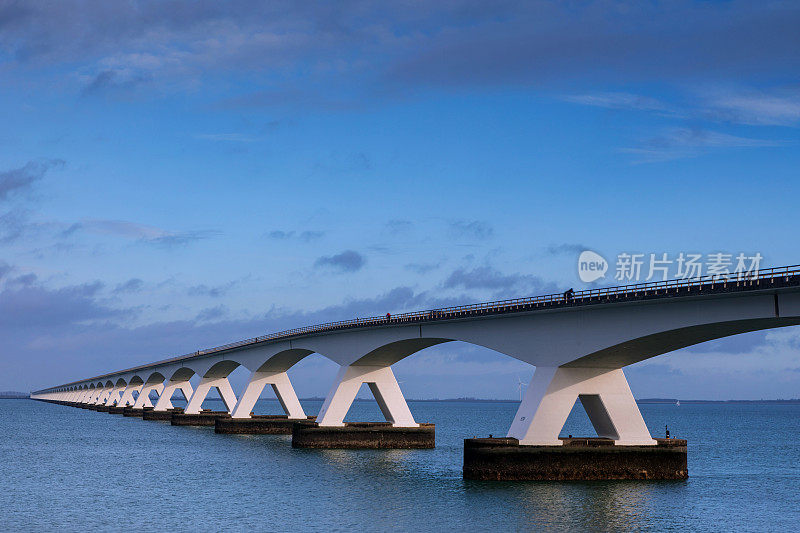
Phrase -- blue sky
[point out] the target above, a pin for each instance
(183, 174)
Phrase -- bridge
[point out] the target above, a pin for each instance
(579, 343)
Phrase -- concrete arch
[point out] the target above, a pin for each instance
(155, 377)
(222, 369)
(183, 373)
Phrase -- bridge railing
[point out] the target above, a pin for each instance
(499, 306)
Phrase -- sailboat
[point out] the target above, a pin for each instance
(677, 403)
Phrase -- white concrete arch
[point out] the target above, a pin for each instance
(213, 376)
(177, 380)
(116, 391)
(154, 382)
(134, 386)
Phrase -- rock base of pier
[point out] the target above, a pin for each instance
(203, 418)
(504, 459)
(257, 425)
(130, 411)
(354, 435)
(160, 415)
(102, 409)
(114, 410)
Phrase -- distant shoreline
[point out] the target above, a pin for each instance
(644, 401)
(13, 395)
(666, 401)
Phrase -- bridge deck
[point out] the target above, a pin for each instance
(774, 278)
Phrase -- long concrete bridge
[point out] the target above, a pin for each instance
(579, 343)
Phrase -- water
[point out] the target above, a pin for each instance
(65, 468)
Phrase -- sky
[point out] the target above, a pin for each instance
(179, 175)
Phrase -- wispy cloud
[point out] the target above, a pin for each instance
(20, 179)
(421, 268)
(471, 229)
(612, 100)
(488, 278)
(755, 108)
(212, 313)
(347, 261)
(115, 80)
(682, 143)
(130, 286)
(398, 226)
(215, 291)
(304, 236)
(228, 137)
(140, 232)
(565, 249)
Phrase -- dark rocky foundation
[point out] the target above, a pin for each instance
(160, 415)
(504, 459)
(114, 410)
(102, 409)
(204, 418)
(355, 435)
(130, 411)
(257, 425)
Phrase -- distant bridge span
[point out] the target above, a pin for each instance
(578, 343)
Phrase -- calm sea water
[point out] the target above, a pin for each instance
(65, 468)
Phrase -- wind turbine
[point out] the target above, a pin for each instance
(520, 386)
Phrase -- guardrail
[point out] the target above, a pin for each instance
(501, 306)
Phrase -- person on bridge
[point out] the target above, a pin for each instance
(569, 294)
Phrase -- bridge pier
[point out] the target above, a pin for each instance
(505, 459)
(193, 415)
(223, 387)
(330, 431)
(243, 422)
(164, 402)
(127, 395)
(143, 401)
(533, 450)
(604, 394)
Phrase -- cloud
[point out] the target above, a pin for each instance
(339, 55)
(31, 307)
(617, 101)
(13, 225)
(471, 229)
(139, 232)
(211, 313)
(679, 143)
(304, 236)
(421, 268)
(755, 108)
(398, 226)
(130, 286)
(20, 179)
(504, 285)
(24, 280)
(213, 292)
(228, 137)
(543, 42)
(566, 249)
(5, 268)
(780, 107)
(347, 261)
(110, 80)
(310, 236)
